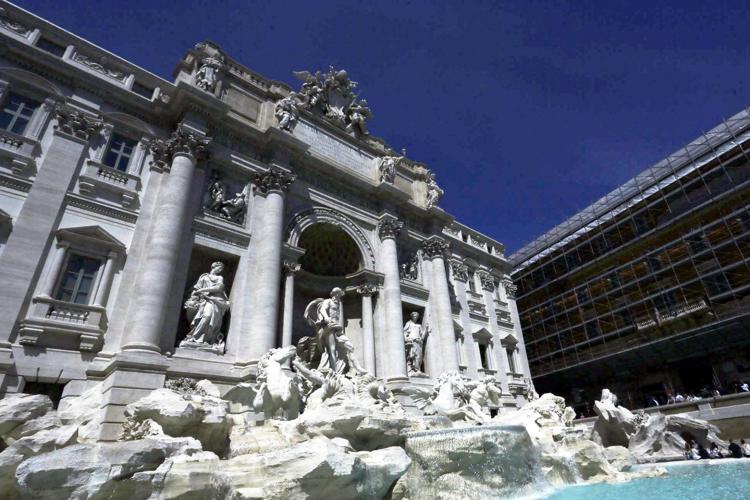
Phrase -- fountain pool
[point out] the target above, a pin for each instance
(696, 480)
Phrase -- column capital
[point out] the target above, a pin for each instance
(367, 289)
(389, 227)
(273, 179)
(510, 287)
(181, 142)
(460, 271)
(75, 123)
(487, 280)
(434, 247)
(290, 266)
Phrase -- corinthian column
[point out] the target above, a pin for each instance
(368, 332)
(263, 297)
(394, 357)
(434, 249)
(290, 268)
(179, 156)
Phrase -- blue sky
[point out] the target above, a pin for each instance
(527, 111)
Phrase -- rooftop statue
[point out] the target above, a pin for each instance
(387, 167)
(332, 95)
(287, 111)
(208, 72)
(434, 192)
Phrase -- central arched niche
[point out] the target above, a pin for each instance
(331, 257)
(329, 251)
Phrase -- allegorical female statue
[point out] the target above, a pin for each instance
(205, 309)
(414, 338)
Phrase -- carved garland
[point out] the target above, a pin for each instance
(321, 214)
(434, 247)
(510, 288)
(488, 282)
(180, 142)
(389, 227)
(76, 123)
(273, 179)
(460, 271)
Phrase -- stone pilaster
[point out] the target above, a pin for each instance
(434, 249)
(23, 257)
(179, 156)
(265, 278)
(510, 290)
(394, 364)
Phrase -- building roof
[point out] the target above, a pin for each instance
(709, 145)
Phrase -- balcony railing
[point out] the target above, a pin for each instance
(83, 324)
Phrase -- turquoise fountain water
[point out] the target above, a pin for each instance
(697, 480)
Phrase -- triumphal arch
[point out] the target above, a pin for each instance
(152, 230)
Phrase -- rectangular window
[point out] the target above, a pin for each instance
(119, 152)
(16, 113)
(716, 283)
(142, 90)
(51, 47)
(511, 353)
(483, 356)
(78, 279)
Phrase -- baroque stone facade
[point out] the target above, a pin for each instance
(136, 249)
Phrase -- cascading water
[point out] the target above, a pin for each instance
(474, 462)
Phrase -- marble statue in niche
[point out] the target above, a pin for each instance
(287, 111)
(410, 270)
(205, 310)
(434, 192)
(414, 338)
(337, 350)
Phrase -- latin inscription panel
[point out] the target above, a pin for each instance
(334, 149)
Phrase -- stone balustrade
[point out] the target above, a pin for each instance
(84, 323)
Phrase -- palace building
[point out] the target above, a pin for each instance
(121, 192)
(647, 291)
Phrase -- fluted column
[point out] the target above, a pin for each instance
(368, 331)
(263, 297)
(394, 364)
(290, 268)
(179, 155)
(434, 249)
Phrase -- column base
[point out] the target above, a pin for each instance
(141, 347)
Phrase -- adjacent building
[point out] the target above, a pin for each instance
(120, 192)
(647, 291)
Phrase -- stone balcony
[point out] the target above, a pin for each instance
(17, 153)
(52, 322)
(98, 179)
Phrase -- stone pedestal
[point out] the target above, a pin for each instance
(394, 365)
